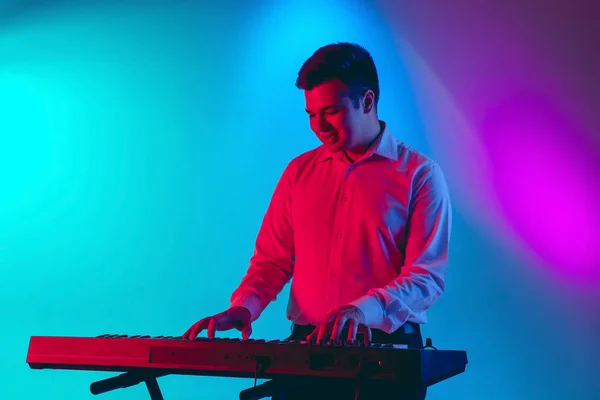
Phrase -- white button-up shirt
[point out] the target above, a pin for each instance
(374, 234)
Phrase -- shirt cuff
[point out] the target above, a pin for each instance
(372, 310)
(251, 302)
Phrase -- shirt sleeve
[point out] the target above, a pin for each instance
(272, 263)
(421, 279)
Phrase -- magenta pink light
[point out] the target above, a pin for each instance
(545, 179)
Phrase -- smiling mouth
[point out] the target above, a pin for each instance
(330, 139)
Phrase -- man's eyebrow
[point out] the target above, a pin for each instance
(324, 108)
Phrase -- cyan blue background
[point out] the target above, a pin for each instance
(139, 146)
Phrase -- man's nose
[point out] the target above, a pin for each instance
(320, 124)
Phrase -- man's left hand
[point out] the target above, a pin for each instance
(332, 326)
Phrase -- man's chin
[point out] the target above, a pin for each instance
(334, 147)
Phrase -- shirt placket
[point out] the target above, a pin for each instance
(339, 234)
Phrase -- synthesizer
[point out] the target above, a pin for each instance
(144, 358)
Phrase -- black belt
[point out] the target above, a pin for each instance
(409, 334)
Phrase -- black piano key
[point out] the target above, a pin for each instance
(121, 336)
(167, 337)
(114, 335)
(104, 335)
(134, 336)
(145, 337)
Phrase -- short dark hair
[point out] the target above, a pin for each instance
(349, 62)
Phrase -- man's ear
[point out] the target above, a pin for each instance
(368, 101)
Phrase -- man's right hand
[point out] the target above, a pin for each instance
(232, 318)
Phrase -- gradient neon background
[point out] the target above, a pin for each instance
(140, 143)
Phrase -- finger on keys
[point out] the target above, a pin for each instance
(324, 330)
(186, 334)
(246, 332)
(211, 328)
(320, 332)
(313, 335)
(202, 326)
(338, 326)
(352, 330)
(367, 334)
(195, 329)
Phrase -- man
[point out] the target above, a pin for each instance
(360, 224)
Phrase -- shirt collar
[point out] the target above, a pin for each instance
(386, 146)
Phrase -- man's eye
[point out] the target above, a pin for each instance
(332, 112)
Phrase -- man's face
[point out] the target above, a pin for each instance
(333, 117)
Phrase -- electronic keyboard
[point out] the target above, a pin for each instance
(145, 358)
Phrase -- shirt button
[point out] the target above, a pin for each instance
(345, 199)
(339, 235)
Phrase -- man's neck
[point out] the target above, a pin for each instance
(374, 132)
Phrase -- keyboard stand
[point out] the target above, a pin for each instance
(126, 380)
(273, 387)
(261, 391)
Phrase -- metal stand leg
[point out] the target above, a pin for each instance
(273, 387)
(153, 389)
(261, 391)
(126, 380)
